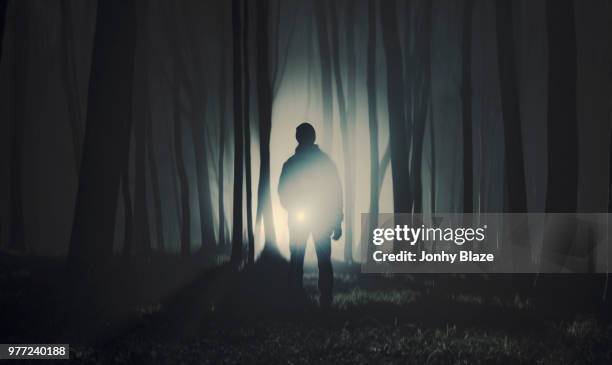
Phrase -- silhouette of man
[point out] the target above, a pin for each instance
(310, 191)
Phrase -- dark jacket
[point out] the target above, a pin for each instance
(309, 185)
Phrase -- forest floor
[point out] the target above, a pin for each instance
(172, 311)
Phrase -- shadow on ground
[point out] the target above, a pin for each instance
(167, 310)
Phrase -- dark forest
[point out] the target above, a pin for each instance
(143, 144)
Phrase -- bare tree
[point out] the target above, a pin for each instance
(3, 4)
(19, 73)
(238, 132)
(221, 157)
(154, 171)
(562, 131)
(128, 212)
(402, 194)
(177, 84)
(320, 10)
(421, 95)
(106, 143)
(70, 80)
(345, 129)
(198, 97)
(515, 183)
(142, 122)
(265, 82)
(562, 187)
(247, 136)
(372, 113)
(351, 95)
(466, 100)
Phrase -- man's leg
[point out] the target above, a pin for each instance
(298, 240)
(326, 274)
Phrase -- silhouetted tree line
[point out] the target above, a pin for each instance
(218, 76)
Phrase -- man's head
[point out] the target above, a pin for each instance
(305, 134)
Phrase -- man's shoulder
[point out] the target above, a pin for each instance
(289, 161)
(324, 157)
(313, 155)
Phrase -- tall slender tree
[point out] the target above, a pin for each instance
(247, 136)
(177, 85)
(344, 127)
(128, 212)
(562, 129)
(154, 173)
(402, 194)
(198, 96)
(514, 168)
(221, 156)
(351, 94)
(106, 143)
(515, 191)
(202, 174)
(265, 82)
(432, 157)
(142, 122)
(320, 10)
(237, 239)
(71, 83)
(372, 113)
(421, 95)
(466, 101)
(3, 4)
(19, 73)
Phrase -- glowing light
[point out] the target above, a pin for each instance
(301, 216)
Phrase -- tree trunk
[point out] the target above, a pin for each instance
(421, 92)
(610, 177)
(3, 4)
(466, 99)
(17, 239)
(159, 222)
(344, 129)
(173, 179)
(238, 132)
(562, 129)
(204, 199)
(106, 143)
(432, 156)
(142, 122)
(372, 116)
(402, 200)
(198, 119)
(149, 142)
(326, 73)
(178, 84)
(221, 160)
(513, 136)
(128, 214)
(515, 183)
(185, 228)
(247, 137)
(350, 139)
(70, 80)
(264, 97)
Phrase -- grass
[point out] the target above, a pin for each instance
(224, 316)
